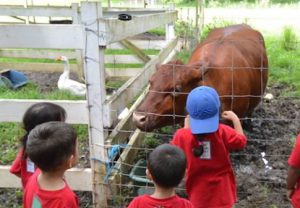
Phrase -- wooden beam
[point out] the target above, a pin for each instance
(114, 30)
(124, 128)
(123, 164)
(42, 36)
(47, 54)
(143, 44)
(43, 11)
(38, 67)
(94, 73)
(137, 51)
(12, 110)
(78, 179)
(35, 54)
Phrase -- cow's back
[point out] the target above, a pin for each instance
(236, 62)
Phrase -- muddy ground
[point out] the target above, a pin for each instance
(273, 127)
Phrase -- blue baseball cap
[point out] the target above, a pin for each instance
(203, 106)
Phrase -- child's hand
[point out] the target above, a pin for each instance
(187, 122)
(230, 115)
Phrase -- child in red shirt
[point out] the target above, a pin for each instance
(293, 177)
(52, 146)
(210, 181)
(36, 114)
(166, 167)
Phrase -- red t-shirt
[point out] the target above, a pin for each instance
(146, 201)
(22, 167)
(294, 161)
(210, 179)
(34, 197)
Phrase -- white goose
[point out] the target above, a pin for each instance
(65, 83)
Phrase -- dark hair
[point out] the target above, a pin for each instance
(50, 144)
(40, 113)
(167, 164)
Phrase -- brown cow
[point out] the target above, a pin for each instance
(232, 59)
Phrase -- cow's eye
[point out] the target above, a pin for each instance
(177, 90)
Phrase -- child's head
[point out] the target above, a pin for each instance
(203, 106)
(40, 113)
(166, 165)
(52, 146)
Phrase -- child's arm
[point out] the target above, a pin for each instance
(230, 115)
(186, 122)
(293, 175)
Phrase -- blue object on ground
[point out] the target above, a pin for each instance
(16, 78)
(5, 83)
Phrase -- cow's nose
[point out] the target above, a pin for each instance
(139, 118)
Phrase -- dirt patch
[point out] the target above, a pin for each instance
(273, 128)
(271, 131)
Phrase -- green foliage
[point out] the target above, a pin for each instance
(166, 130)
(226, 3)
(31, 60)
(10, 133)
(159, 31)
(283, 66)
(288, 39)
(184, 29)
(31, 91)
(82, 135)
(128, 52)
(184, 55)
(115, 65)
(114, 84)
(150, 141)
(216, 23)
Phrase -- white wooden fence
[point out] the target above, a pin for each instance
(94, 31)
(72, 13)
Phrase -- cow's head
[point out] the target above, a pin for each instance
(164, 104)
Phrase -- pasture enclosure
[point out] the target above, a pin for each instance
(273, 127)
(86, 40)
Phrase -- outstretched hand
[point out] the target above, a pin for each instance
(230, 115)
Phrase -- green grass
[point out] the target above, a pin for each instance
(160, 31)
(10, 134)
(31, 91)
(112, 65)
(114, 84)
(128, 52)
(31, 60)
(9, 141)
(284, 65)
(73, 61)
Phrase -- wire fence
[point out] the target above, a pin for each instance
(271, 130)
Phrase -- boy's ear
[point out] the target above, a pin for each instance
(71, 161)
(148, 174)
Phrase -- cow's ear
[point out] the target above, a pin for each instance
(201, 66)
(157, 66)
(176, 62)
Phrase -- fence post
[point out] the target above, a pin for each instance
(170, 31)
(79, 58)
(94, 74)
